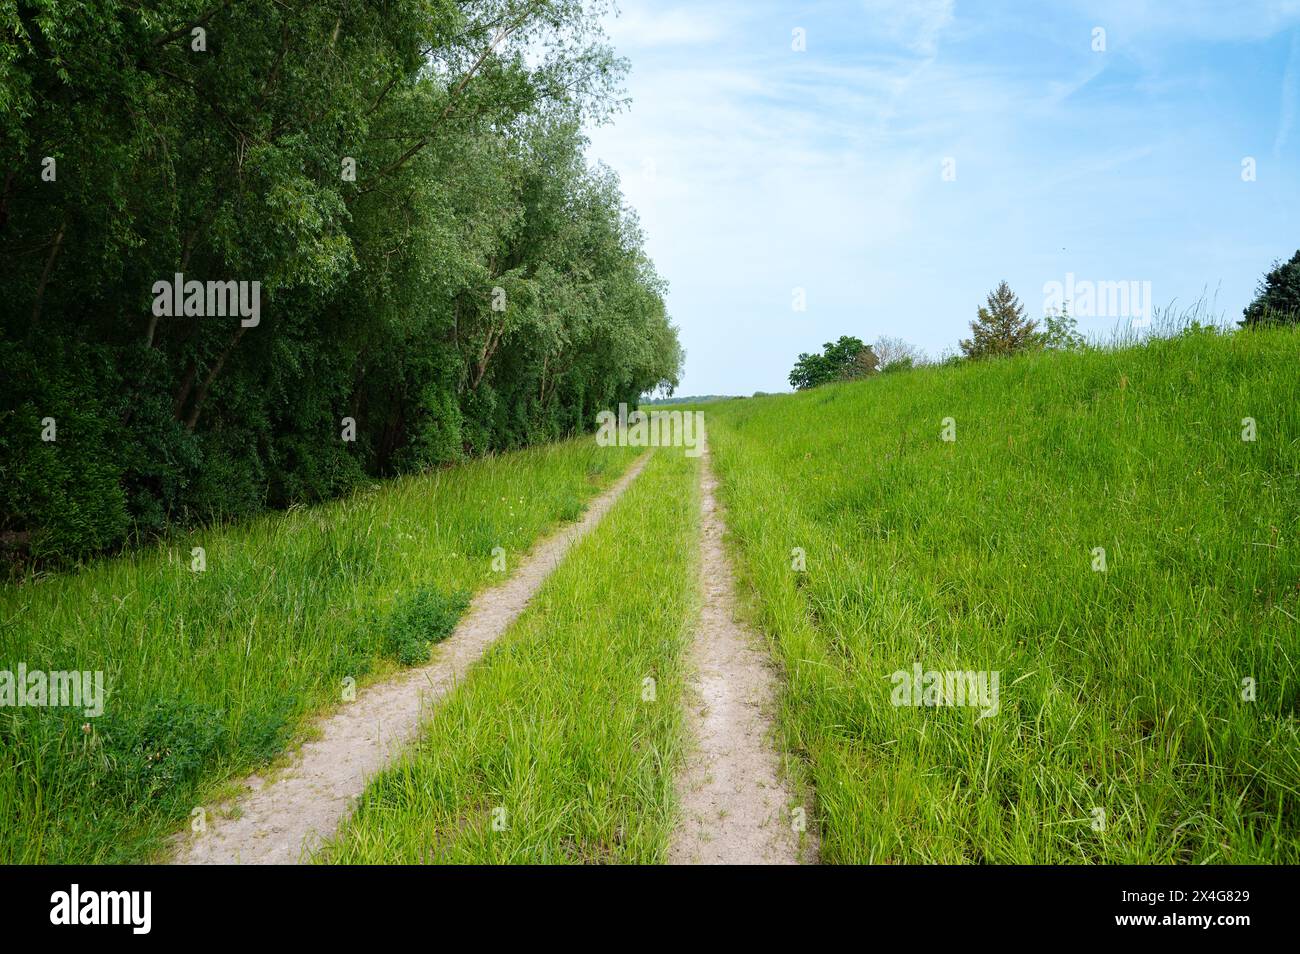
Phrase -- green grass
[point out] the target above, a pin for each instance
(551, 736)
(1121, 690)
(211, 674)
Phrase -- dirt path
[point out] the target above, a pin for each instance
(283, 821)
(736, 809)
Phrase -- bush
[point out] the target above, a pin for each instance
(436, 433)
(419, 620)
(158, 754)
(62, 496)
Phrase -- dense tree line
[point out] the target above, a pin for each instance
(439, 271)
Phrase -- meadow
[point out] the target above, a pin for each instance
(1104, 537)
(211, 674)
(1106, 530)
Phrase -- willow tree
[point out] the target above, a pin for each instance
(404, 182)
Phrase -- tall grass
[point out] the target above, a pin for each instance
(210, 674)
(552, 752)
(1125, 732)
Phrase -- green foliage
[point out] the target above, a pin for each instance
(419, 620)
(379, 294)
(156, 753)
(1277, 300)
(842, 360)
(1000, 327)
(435, 434)
(1060, 332)
(67, 485)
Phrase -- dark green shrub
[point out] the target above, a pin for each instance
(61, 497)
(353, 654)
(419, 620)
(436, 432)
(157, 754)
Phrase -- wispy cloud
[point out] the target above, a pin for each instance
(643, 26)
(757, 168)
(1290, 94)
(914, 24)
(1144, 20)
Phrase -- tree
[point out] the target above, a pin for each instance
(405, 182)
(1277, 298)
(895, 354)
(842, 360)
(1060, 332)
(864, 364)
(1000, 327)
(810, 370)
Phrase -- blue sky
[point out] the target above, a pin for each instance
(757, 169)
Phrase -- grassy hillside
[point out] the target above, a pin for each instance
(1121, 691)
(209, 674)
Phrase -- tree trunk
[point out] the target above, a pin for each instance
(45, 278)
(202, 394)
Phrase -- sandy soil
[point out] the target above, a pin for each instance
(284, 820)
(736, 809)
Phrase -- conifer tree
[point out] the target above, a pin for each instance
(1277, 300)
(1000, 327)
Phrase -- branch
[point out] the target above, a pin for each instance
(45, 275)
(451, 100)
(183, 31)
(212, 376)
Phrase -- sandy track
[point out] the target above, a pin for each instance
(284, 821)
(736, 809)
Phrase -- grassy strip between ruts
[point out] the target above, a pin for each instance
(1148, 693)
(561, 746)
(209, 674)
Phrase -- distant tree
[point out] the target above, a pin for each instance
(1060, 331)
(948, 358)
(1000, 327)
(849, 357)
(1277, 299)
(895, 354)
(844, 359)
(810, 370)
(863, 364)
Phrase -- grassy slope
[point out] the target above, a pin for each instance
(552, 727)
(210, 674)
(1120, 690)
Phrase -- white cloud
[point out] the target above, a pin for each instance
(1290, 92)
(914, 24)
